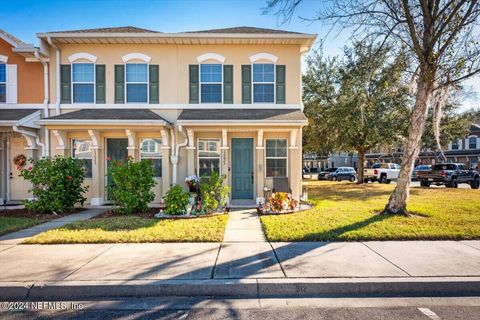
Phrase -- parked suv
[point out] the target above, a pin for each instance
(344, 173)
(450, 175)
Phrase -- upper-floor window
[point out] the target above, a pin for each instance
(472, 143)
(211, 82)
(455, 145)
(263, 82)
(136, 82)
(83, 82)
(3, 82)
(150, 149)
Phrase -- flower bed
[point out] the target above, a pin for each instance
(281, 203)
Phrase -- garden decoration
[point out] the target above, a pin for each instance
(20, 161)
(192, 183)
(278, 202)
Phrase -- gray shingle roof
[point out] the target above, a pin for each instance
(15, 114)
(109, 114)
(244, 29)
(126, 29)
(243, 114)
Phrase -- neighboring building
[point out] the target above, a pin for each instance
(338, 159)
(226, 100)
(465, 151)
(22, 94)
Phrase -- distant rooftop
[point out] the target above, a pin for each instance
(126, 29)
(243, 30)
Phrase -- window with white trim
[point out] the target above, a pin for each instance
(472, 143)
(136, 84)
(208, 157)
(82, 152)
(263, 82)
(83, 82)
(455, 145)
(3, 83)
(150, 149)
(211, 83)
(276, 157)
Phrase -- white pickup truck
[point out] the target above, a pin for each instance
(381, 172)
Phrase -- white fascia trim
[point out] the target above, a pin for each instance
(211, 56)
(20, 106)
(178, 106)
(241, 122)
(82, 55)
(104, 122)
(29, 121)
(263, 56)
(136, 56)
(3, 58)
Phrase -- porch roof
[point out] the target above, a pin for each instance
(107, 116)
(242, 116)
(19, 117)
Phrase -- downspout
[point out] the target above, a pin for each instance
(176, 152)
(31, 134)
(57, 71)
(45, 101)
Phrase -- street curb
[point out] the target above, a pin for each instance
(250, 288)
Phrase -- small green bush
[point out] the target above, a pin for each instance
(131, 185)
(56, 184)
(176, 200)
(214, 193)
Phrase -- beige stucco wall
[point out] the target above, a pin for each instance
(173, 61)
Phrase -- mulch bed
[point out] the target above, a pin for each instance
(35, 215)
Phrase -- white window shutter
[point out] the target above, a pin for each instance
(11, 83)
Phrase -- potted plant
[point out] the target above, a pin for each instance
(192, 183)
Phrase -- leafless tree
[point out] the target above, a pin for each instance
(442, 38)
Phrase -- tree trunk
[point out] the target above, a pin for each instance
(397, 204)
(361, 165)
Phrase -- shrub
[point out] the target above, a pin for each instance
(176, 200)
(56, 184)
(131, 185)
(214, 193)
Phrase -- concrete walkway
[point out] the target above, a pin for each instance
(20, 236)
(244, 226)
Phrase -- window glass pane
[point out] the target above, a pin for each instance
(150, 148)
(157, 167)
(472, 143)
(211, 73)
(82, 92)
(276, 167)
(136, 72)
(211, 93)
(136, 92)
(208, 165)
(81, 151)
(3, 72)
(263, 93)
(3, 93)
(263, 72)
(83, 72)
(276, 147)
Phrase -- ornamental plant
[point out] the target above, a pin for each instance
(214, 193)
(176, 200)
(57, 184)
(130, 186)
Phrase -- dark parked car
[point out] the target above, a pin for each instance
(343, 173)
(422, 167)
(450, 175)
(325, 174)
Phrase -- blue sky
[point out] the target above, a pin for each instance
(24, 18)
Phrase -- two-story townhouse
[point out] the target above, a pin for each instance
(22, 97)
(225, 100)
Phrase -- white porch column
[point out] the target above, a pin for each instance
(98, 164)
(191, 153)
(132, 144)
(166, 168)
(295, 165)
(260, 169)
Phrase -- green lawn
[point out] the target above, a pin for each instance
(123, 229)
(12, 224)
(347, 212)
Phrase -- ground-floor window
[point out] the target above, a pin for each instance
(82, 152)
(276, 157)
(208, 157)
(150, 149)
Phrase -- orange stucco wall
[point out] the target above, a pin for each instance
(29, 75)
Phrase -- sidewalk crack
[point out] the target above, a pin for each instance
(212, 275)
(278, 260)
(95, 257)
(386, 259)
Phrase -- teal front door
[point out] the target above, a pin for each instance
(242, 168)
(116, 151)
